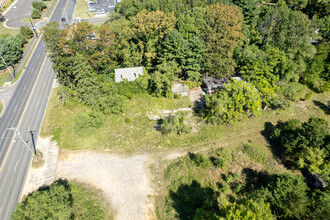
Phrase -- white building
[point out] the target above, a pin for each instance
(129, 74)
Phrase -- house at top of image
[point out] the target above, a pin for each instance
(129, 74)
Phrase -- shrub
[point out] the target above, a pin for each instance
(200, 160)
(218, 162)
(26, 32)
(35, 14)
(39, 5)
(255, 153)
(176, 124)
(295, 91)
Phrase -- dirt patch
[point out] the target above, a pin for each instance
(124, 179)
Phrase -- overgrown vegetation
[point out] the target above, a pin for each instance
(63, 200)
(195, 187)
(176, 124)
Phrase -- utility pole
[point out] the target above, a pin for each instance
(6, 65)
(20, 137)
(33, 28)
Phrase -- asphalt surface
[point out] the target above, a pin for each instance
(14, 15)
(25, 112)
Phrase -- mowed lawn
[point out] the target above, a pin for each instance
(133, 131)
(5, 32)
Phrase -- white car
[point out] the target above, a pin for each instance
(102, 11)
(98, 11)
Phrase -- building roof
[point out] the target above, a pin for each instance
(179, 88)
(213, 83)
(129, 74)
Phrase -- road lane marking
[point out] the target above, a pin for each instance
(24, 87)
(20, 120)
(44, 85)
(16, 166)
(37, 104)
(64, 8)
(15, 108)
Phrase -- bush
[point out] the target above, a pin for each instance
(35, 14)
(218, 162)
(295, 91)
(39, 5)
(176, 124)
(61, 200)
(255, 153)
(200, 160)
(26, 32)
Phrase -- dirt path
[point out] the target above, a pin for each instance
(125, 180)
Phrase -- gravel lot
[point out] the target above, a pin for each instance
(125, 180)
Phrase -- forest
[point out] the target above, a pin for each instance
(280, 49)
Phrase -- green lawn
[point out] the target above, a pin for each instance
(133, 131)
(3, 78)
(1, 106)
(5, 32)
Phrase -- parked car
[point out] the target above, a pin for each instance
(99, 11)
(102, 11)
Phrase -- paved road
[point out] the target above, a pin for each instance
(25, 112)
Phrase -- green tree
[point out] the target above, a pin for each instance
(11, 49)
(188, 54)
(247, 209)
(51, 35)
(305, 144)
(320, 204)
(26, 32)
(35, 14)
(192, 23)
(317, 75)
(52, 203)
(150, 28)
(289, 31)
(236, 101)
(287, 195)
(222, 33)
(250, 10)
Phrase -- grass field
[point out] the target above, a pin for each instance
(3, 78)
(132, 131)
(81, 10)
(1, 106)
(5, 32)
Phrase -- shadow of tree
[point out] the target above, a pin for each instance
(189, 198)
(322, 106)
(269, 128)
(254, 179)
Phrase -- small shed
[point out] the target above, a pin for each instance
(129, 74)
(180, 89)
